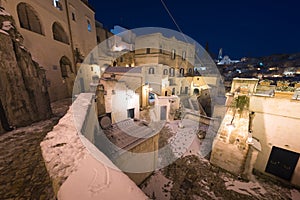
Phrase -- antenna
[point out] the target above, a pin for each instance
(168, 11)
(220, 54)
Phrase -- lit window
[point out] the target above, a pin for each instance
(183, 55)
(89, 26)
(57, 4)
(172, 72)
(173, 55)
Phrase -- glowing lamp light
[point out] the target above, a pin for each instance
(230, 127)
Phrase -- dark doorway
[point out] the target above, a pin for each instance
(186, 90)
(130, 113)
(282, 163)
(81, 84)
(173, 91)
(166, 93)
(3, 119)
(196, 91)
(163, 112)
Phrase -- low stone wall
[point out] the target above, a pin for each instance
(71, 162)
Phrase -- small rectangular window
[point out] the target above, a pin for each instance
(183, 55)
(160, 49)
(148, 50)
(54, 67)
(92, 69)
(73, 16)
(89, 26)
(173, 55)
(57, 4)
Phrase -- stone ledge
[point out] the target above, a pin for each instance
(75, 172)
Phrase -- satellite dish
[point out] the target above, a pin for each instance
(105, 122)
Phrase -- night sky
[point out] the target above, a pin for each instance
(242, 28)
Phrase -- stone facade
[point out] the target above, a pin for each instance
(52, 31)
(230, 146)
(24, 96)
(115, 93)
(158, 49)
(276, 125)
(264, 137)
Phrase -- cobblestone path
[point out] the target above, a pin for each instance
(23, 174)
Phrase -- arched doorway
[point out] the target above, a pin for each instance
(67, 73)
(65, 66)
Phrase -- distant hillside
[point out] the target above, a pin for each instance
(281, 60)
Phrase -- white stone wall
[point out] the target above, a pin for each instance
(118, 99)
(77, 167)
(276, 123)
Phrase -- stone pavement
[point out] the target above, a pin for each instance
(23, 174)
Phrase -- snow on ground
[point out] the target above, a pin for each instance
(160, 184)
(247, 188)
(210, 182)
(295, 194)
(183, 137)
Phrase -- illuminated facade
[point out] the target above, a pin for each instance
(55, 32)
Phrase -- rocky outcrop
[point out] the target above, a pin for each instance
(24, 96)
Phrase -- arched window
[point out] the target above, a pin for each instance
(28, 18)
(57, 4)
(151, 70)
(181, 71)
(165, 72)
(183, 55)
(173, 54)
(59, 33)
(172, 72)
(196, 91)
(65, 66)
(89, 26)
(190, 71)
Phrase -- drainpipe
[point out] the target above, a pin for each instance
(71, 36)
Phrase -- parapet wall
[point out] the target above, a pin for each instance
(71, 162)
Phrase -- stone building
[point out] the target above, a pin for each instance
(116, 92)
(158, 49)
(55, 32)
(263, 137)
(24, 96)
